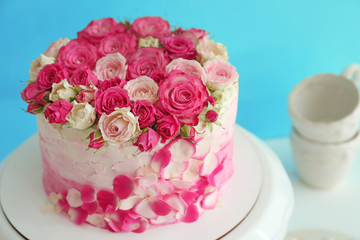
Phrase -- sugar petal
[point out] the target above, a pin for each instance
(77, 215)
(161, 159)
(182, 150)
(123, 186)
(96, 220)
(88, 194)
(91, 207)
(209, 164)
(74, 198)
(191, 214)
(202, 148)
(129, 203)
(144, 224)
(160, 207)
(188, 197)
(143, 209)
(212, 176)
(175, 202)
(174, 169)
(210, 200)
(107, 198)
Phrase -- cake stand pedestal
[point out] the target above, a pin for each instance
(256, 204)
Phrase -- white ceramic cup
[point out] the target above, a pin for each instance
(323, 165)
(326, 107)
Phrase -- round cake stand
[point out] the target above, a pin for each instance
(261, 207)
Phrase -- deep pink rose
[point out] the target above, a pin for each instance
(158, 76)
(123, 43)
(114, 97)
(78, 53)
(211, 116)
(42, 98)
(51, 73)
(183, 96)
(145, 61)
(96, 140)
(150, 26)
(30, 92)
(168, 127)
(212, 100)
(83, 76)
(98, 29)
(147, 140)
(112, 83)
(193, 33)
(33, 108)
(57, 111)
(179, 47)
(145, 111)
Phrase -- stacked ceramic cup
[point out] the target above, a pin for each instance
(325, 138)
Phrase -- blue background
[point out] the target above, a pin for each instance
(273, 44)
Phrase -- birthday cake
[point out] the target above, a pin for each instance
(136, 123)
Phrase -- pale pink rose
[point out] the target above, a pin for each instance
(191, 67)
(145, 61)
(123, 43)
(119, 126)
(183, 96)
(147, 140)
(111, 66)
(142, 88)
(38, 64)
(220, 74)
(57, 111)
(53, 49)
(179, 47)
(50, 74)
(208, 50)
(86, 94)
(149, 26)
(194, 34)
(115, 82)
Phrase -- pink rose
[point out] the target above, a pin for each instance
(193, 33)
(179, 47)
(87, 94)
(30, 92)
(145, 111)
(191, 67)
(119, 126)
(220, 74)
(145, 61)
(57, 111)
(168, 127)
(98, 29)
(51, 73)
(42, 98)
(53, 49)
(33, 108)
(211, 116)
(150, 26)
(77, 53)
(147, 140)
(142, 88)
(183, 96)
(83, 76)
(112, 83)
(111, 66)
(106, 101)
(123, 43)
(96, 140)
(158, 76)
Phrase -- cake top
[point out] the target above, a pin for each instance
(137, 83)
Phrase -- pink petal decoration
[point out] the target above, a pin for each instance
(174, 169)
(201, 186)
(188, 197)
(175, 202)
(114, 218)
(107, 198)
(96, 220)
(143, 209)
(77, 215)
(160, 207)
(129, 203)
(144, 224)
(90, 207)
(191, 174)
(164, 219)
(191, 214)
(182, 150)
(161, 159)
(202, 148)
(88, 194)
(210, 163)
(164, 187)
(178, 183)
(148, 180)
(210, 200)
(123, 186)
(130, 224)
(74, 198)
(212, 176)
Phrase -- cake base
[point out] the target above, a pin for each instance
(22, 198)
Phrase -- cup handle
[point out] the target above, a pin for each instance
(352, 72)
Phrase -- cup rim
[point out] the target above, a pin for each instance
(294, 114)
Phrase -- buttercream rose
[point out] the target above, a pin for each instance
(53, 49)
(191, 67)
(183, 96)
(77, 53)
(179, 47)
(57, 111)
(142, 88)
(114, 97)
(150, 26)
(147, 140)
(98, 29)
(119, 126)
(123, 43)
(51, 73)
(62, 90)
(83, 76)
(111, 66)
(81, 116)
(145, 111)
(145, 61)
(30, 92)
(220, 74)
(208, 49)
(168, 127)
(38, 64)
(86, 94)
(115, 82)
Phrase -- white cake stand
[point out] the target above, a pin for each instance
(256, 204)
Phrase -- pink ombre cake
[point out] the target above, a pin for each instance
(136, 123)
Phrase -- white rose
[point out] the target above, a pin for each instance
(111, 66)
(220, 74)
(142, 88)
(82, 115)
(62, 90)
(191, 67)
(38, 64)
(119, 126)
(53, 49)
(208, 49)
(148, 42)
